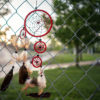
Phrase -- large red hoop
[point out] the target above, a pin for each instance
(40, 47)
(51, 22)
(36, 61)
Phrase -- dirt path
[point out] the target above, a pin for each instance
(66, 65)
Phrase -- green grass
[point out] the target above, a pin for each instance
(65, 58)
(62, 85)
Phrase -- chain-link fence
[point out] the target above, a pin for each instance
(63, 82)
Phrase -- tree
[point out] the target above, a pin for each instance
(78, 18)
(46, 20)
(3, 7)
(4, 11)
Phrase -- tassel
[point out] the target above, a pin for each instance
(14, 40)
(41, 81)
(23, 74)
(7, 80)
(14, 57)
(28, 66)
(23, 56)
(25, 42)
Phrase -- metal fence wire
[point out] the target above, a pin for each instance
(15, 19)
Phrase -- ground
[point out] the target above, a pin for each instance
(62, 86)
(66, 57)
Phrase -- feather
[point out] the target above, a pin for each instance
(7, 80)
(29, 67)
(25, 43)
(23, 74)
(14, 40)
(14, 57)
(41, 79)
(23, 56)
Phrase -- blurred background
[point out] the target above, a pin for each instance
(72, 59)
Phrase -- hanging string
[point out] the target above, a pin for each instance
(36, 5)
(36, 8)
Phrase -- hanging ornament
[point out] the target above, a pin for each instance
(25, 43)
(23, 55)
(19, 57)
(40, 47)
(35, 25)
(22, 33)
(36, 61)
(43, 95)
(30, 83)
(14, 57)
(41, 81)
(23, 74)
(28, 65)
(7, 80)
(14, 40)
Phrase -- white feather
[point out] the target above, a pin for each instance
(14, 40)
(41, 80)
(14, 58)
(15, 55)
(23, 55)
(25, 42)
(28, 81)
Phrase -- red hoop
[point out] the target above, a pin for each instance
(21, 33)
(36, 61)
(51, 23)
(40, 47)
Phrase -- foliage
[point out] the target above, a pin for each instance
(78, 19)
(3, 7)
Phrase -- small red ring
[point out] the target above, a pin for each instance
(39, 59)
(21, 32)
(36, 46)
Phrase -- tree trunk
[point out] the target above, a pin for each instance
(81, 57)
(77, 56)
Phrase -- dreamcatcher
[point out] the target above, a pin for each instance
(36, 26)
(37, 23)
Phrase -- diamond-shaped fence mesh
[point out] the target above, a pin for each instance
(65, 81)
